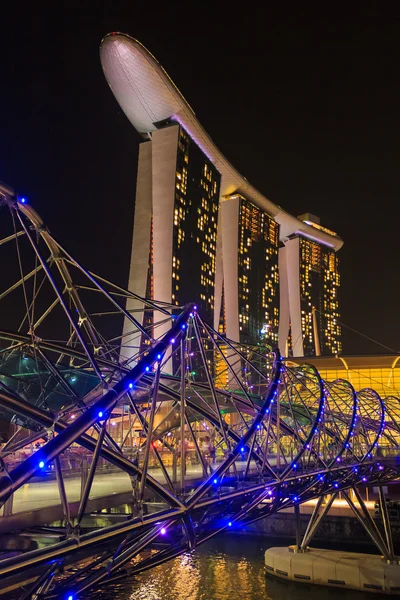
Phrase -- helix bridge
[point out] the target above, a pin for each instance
(209, 434)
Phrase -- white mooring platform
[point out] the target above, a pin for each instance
(349, 570)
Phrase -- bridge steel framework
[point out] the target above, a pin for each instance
(262, 434)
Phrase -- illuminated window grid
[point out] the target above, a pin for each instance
(205, 227)
(319, 283)
(258, 243)
(220, 367)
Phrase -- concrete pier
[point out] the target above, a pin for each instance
(344, 570)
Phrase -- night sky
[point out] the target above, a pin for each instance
(306, 106)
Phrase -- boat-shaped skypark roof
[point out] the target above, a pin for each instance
(148, 96)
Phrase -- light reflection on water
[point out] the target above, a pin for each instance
(227, 568)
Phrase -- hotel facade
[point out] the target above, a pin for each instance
(203, 233)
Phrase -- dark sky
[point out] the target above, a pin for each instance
(305, 104)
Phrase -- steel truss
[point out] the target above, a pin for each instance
(209, 434)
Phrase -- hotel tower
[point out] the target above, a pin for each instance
(203, 233)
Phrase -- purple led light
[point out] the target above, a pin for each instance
(163, 531)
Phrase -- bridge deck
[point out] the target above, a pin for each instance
(38, 503)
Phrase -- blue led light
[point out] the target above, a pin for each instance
(147, 368)
(215, 480)
(41, 464)
(183, 326)
(294, 466)
(364, 479)
(230, 524)
(23, 200)
(173, 341)
(242, 449)
(158, 356)
(295, 498)
(70, 597)
(130, 386)
(100, 414)
(336, 485)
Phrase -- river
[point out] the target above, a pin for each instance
(226, 568)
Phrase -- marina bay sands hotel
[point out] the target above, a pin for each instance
(203, 233)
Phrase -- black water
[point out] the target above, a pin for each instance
(226, 568)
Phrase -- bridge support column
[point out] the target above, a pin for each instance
(369, 524)
(63, 494)
(84, 475)
(174, 467)
(297, 517)
(316, 519)
(386, 522)
(8, 505)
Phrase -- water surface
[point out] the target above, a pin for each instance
(226, 568)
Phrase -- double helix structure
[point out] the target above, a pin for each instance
(207, 434)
